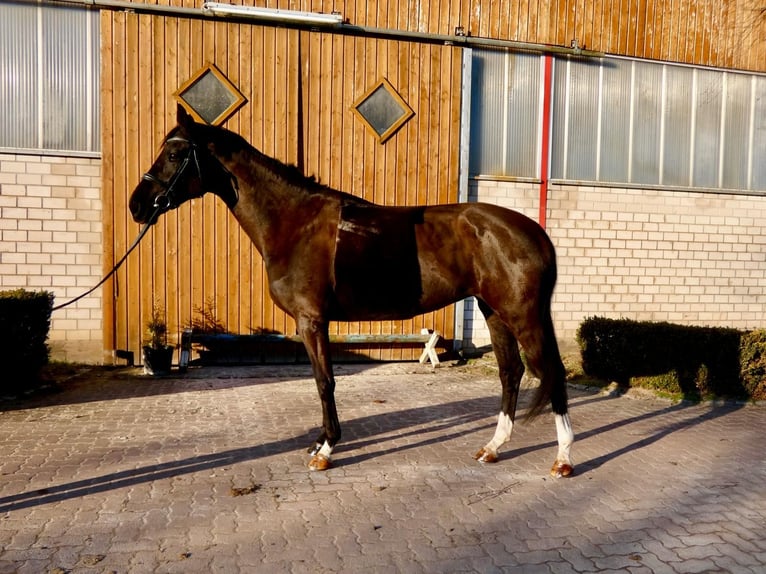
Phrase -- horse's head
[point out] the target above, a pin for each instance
(184, 169)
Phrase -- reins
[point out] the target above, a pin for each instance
(138, 239)
(162, 203)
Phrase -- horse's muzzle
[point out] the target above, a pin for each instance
(136, 210)
(143, 211)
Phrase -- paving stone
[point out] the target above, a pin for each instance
(124, 473)
(696, 566)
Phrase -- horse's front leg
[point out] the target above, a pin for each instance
(511, 369)
(317, 342)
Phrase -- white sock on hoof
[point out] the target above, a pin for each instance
(565, 437)
(502, 433)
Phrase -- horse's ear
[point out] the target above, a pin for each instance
(182, 118)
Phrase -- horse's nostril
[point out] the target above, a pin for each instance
(135, 208)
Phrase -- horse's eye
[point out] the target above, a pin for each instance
(173, 156)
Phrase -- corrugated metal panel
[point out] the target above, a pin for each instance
(49, 89)
(615, 120)
(576, 128)
(647, 123)
(505, 123)
(63, 92)
(488, 96)
(677, 144)
(524, 119)
(647, 118)
(758, 131)
(560, 118)
(707, 128)
(736, 131)
(18, 75)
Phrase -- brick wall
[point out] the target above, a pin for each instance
(51, 239)
(689, 258)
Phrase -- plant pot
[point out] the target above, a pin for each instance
(157, 361)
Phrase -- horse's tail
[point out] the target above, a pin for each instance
(549, 365)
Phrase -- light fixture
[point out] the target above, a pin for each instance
(273, 14)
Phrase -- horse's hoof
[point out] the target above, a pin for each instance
(485, 455)
(320, 462)
(561, 470)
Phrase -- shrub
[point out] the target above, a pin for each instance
(704, 360)
(753, 362)
(24, 324)
(156, 331)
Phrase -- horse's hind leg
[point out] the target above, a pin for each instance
(544, 361)
(511, 369)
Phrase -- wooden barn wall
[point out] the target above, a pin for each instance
(299, 88)
(722, 33)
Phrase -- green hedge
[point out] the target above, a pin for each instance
(24, 323)
(753, 359)
(695, 361)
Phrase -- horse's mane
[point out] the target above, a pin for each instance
(227, 143)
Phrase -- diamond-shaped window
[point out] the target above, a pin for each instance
(209, 96)
(382, 110)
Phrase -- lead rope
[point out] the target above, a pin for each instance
(161, 204)
(138, 239)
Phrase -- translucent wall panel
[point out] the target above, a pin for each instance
(647, 118)
(524, 103)
(677, 133)
(559, 118)
(646, 123)
(575, 130)
(505, 120)
(757, 160)
(488, 92)
(18, 75)
(49, 80)
(736, 128)
(614, 139)
(707, 127)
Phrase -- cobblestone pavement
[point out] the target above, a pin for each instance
(123, 473)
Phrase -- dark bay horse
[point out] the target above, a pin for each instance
(332, 256)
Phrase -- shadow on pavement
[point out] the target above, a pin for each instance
(361, 432)
(114, 383)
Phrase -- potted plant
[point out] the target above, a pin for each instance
(158, 355)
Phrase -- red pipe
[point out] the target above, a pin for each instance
(546, 138)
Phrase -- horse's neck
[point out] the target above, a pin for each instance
(266, 200)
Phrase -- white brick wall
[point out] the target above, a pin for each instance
(688, 258)
(51, 239)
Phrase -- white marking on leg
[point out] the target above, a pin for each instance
(325, 451)
(565, 437)
(502, 433)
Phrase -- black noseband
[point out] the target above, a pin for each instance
(166, 200)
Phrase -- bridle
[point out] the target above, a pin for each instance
(162, 203)
(165, 201)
